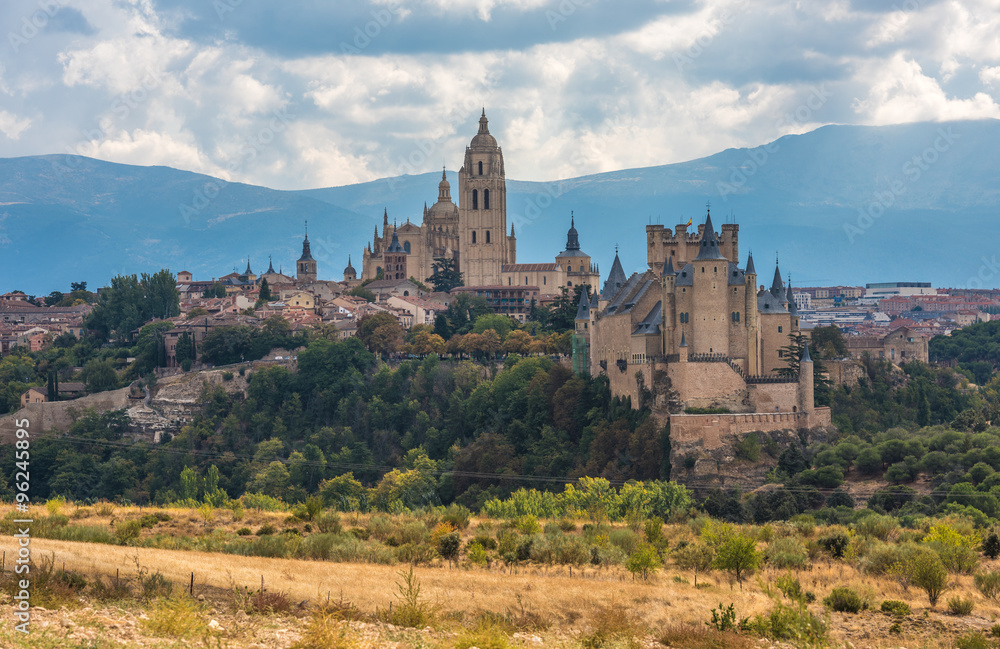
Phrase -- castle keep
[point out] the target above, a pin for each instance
(694, 331)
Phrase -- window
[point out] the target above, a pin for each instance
(487, 205)
(781, 353)
(473, 234)
(475, 199)
(715, 269)
(406, 247)
(779, 329)
(486, 199)
(480, 167)
(508, 281)
(526, 281)
(545, 280)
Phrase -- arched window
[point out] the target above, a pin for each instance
(406, 247)
(480, 167)
(486, 199)
(569, 283)
(473, 236)
(406, 293)
(487, 232)
(475, 199)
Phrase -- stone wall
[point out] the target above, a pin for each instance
(709, 385)
(60, 415)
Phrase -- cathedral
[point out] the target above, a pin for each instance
(694, 331)
(473, 233)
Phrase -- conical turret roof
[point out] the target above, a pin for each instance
(616, 279)
(750, 269)
(583, 310)
(709, 248)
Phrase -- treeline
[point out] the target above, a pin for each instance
(453, 432)
(974, 349)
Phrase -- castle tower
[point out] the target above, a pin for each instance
(806, 396)
(710, 327)
(395, 259)
(668, 285)
(482, 206)
(306, 265)
(750, 318)
(581, 336)
(616, 279)
(349, 273)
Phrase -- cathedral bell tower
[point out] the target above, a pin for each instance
(482, 206)
(305, 267)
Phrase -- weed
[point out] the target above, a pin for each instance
(988, 584)
(176, 618)
(692, 637)
(723, 618)
(411, 609)
(613, 625)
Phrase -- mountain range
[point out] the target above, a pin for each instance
(837, 205)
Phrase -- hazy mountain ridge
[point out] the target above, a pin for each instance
(67, 218)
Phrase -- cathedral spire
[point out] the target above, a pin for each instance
(572, 236)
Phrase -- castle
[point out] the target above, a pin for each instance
(473, 233)
(694, 332)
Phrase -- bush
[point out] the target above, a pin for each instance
(792, 589)
(881, 527)
(448, 545)
(835, 544)
(786, 553)
(961, 606)
(991, 545)
(844, 600)
(227, 376)
(627, 540)
(723, 618)
(643, 561)
(457, 516)
(477, 554)
(895, 607)
(973, 640)
(244, 531)
(125, 531)
(988, 584)
(329, 523)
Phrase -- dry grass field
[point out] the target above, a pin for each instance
(536, 606)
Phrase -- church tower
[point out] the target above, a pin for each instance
(482, 206)
(306, 265)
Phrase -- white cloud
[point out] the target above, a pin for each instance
(12, 126)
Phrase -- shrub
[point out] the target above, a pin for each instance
(791, 587)
(844, 600)
(411, 609)
(881, 527)
(627, 540)
(266, 529)
(973, 640)
(176, 618)
(448, 545)
(125, 531)
(567, 525)
(692, 637)
(991, 545)
(527, 525)
(457, 516)
(786, 553)
(723, 618)
(329, 523)
(895, 607)
(960, 605)
(988, 584)
(613, 626)
(244, 531)
(835, 544)
(654, 530)
(227, 376)
(696, 557)
(477, 554)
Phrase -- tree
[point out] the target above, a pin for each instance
(464, 310)
(265, 291)
(828, 342)
(738, 554)
(696, 557)
(561, 315)
(426, 342)
(363, 293)
(925, 570)
(99, 376)
(53, 298)
(215, 290)
(501, 324)
(381, 333)
(186, 350)
(78, 286)
(644, 561)
(445, 276)
(130, 301)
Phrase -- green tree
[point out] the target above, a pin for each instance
(265, 291)
(445, 275)
(215, 290)
(363, 293)
(99, 376)
(381, 333)
(643, 562)
(738, 554)
(696, 557)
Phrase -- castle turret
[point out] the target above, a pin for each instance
(581, 335)
(616, 279)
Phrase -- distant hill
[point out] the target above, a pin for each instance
(841, 204)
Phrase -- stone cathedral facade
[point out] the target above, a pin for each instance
(473, 232)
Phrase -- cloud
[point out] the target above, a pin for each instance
(307, 94)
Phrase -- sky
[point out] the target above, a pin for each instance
(315, 93)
